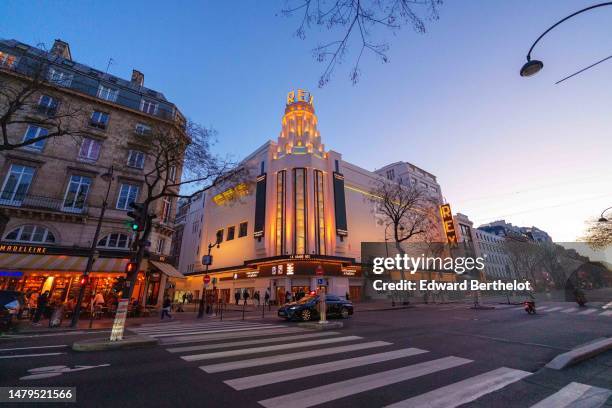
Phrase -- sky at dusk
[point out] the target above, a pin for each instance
(450, 101)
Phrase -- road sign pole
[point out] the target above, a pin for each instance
(323, 306)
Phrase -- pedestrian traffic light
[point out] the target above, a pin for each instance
(138, 215)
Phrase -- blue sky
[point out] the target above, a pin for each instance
(450, 101)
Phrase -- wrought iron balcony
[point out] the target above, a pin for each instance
(42, 203)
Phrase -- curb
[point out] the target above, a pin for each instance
(105, 344)
(581, 353)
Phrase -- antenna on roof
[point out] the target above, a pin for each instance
(110, 61)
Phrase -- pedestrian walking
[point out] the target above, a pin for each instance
(184, 297)
(287, 297)
(41, 307)
(267, 298)
(256, 297)
(166, 308)
(245, 295)
(237, 297)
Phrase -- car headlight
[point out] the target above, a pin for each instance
(293, 308)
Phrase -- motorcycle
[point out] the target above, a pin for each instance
(529, 306)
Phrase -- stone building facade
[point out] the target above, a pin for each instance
(51, 192)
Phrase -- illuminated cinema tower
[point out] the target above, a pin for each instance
(299, 226)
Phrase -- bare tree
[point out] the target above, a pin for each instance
(364, 17)
(20, 105)
(598, 234)
(183, 165)
(525, 257)
(409, 211)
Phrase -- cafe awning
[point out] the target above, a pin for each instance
(167, 269)
(45, 263)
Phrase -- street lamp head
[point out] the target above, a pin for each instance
(602, 219)
(531, 67)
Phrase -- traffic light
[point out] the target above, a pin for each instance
(138, 215)
(131, 267)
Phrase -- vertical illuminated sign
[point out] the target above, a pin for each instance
(449, 225)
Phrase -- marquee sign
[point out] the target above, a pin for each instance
(448, 224)
(24, 249)
(302, 96)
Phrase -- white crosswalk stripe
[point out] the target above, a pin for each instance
(255, 350)
(588, 311)
(569, 310)
(205, 330)
(249, 342)
(606, 313)
(554, 309)
(465, 391)
(576, 395)
(234, 335)
(310, 370)
(281, 358)
(334, 391)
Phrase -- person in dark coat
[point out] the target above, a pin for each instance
(245, 296)
(237, 297)
(166, 308)
(267, 297)
(41, 306)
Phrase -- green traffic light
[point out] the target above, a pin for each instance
(135, 227)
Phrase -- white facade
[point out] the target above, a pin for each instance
(497, 261)
(307, 213)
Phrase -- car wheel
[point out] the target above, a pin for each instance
(344, 313)
(306, 315)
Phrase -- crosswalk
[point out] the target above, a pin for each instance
(569, 310)
(278, 365)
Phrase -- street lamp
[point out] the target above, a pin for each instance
(532, 67)
(93, 254)
(601, 217)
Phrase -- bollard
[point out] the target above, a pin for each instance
(243, 310)
(263, 310)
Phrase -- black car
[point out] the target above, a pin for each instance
(307, 308)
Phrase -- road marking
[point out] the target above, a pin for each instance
(69, 333)
(254, 350)
(35, 347)
(576, 395)
(543, 309)
(221, 336)
(54, 371)
(554, 309)
(250, 342)
(570, 310)
(465, 391)
(31, 355)
(310, 370)
(281, 358)
(606, 313)
(588, 311)
(334, 391)
(186, 329)
(207, 331)
(607, 306)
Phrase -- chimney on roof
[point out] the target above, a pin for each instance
(137, 77)
(61, 49)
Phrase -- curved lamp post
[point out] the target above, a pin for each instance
(532, 67)
(601, 217)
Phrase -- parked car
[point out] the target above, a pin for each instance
(306, 308)
(12, 304)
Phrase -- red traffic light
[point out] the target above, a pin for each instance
(83, 280)
(131, 267)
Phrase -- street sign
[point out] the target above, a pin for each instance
(319, 271)
(206, 279)
(207, 260)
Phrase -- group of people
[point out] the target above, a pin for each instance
(43, 306)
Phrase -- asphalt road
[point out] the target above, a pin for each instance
(435, 354)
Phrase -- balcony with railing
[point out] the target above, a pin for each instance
(34, 202)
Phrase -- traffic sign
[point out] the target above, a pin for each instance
(207, 260)
(206, 279)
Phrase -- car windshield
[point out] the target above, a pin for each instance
(307, 299)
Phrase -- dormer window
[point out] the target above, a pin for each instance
(60, 77)
(108, 93)
(7, 60)
(149, 106)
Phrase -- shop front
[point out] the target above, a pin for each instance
(285, 276)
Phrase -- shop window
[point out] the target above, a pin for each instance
(242, 231)
(231, 232)
(115, 241)
(31, 234)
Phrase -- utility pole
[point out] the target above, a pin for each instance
(206, 260)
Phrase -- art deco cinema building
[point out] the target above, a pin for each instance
(300, 226)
